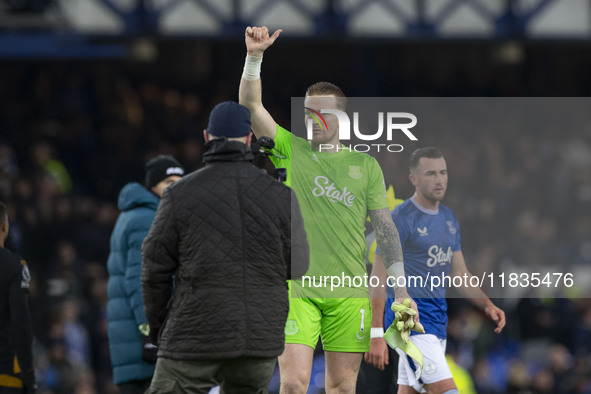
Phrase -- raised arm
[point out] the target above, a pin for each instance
(475, 294)
(250, 95)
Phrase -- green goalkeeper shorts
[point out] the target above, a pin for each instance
(343, 324)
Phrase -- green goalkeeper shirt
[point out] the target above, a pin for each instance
(335, 191)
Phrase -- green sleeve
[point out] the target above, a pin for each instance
(376, 190)
(283, 144)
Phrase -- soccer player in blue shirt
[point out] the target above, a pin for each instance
(430, 239)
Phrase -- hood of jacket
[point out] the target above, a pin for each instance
(135, 195)
(221, 149)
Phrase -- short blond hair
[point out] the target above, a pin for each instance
(327, 89)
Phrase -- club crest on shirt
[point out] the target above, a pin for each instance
(355, 172)
(450, 226)
(26, 276)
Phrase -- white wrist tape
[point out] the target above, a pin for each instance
(376, 332)
(252, 68)
(396, 271)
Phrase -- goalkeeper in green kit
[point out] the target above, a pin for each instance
(336, 189)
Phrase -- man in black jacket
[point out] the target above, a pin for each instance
(231, 236)
(16, 331)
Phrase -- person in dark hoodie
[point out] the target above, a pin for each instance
(132, 354)
(231, 235)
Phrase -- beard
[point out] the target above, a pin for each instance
(435, 196)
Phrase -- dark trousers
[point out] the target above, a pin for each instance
(134, 386)
(373, 381)
(242, 375)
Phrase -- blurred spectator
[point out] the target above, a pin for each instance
(132, 353)
(75, 336)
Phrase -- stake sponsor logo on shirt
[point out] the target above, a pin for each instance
(438, 255)
(326, 188)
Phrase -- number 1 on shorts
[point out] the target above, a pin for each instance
(362, 311)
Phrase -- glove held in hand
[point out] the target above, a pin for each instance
(397, 335)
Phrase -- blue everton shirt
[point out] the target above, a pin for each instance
(428, 238)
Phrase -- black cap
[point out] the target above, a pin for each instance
(160, 168)
(229, 119)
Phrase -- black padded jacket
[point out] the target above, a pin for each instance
(231, 236)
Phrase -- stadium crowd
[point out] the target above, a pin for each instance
(71, 136)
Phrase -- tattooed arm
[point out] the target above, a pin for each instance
(391, 258)
(388, 262)
(386, 236)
